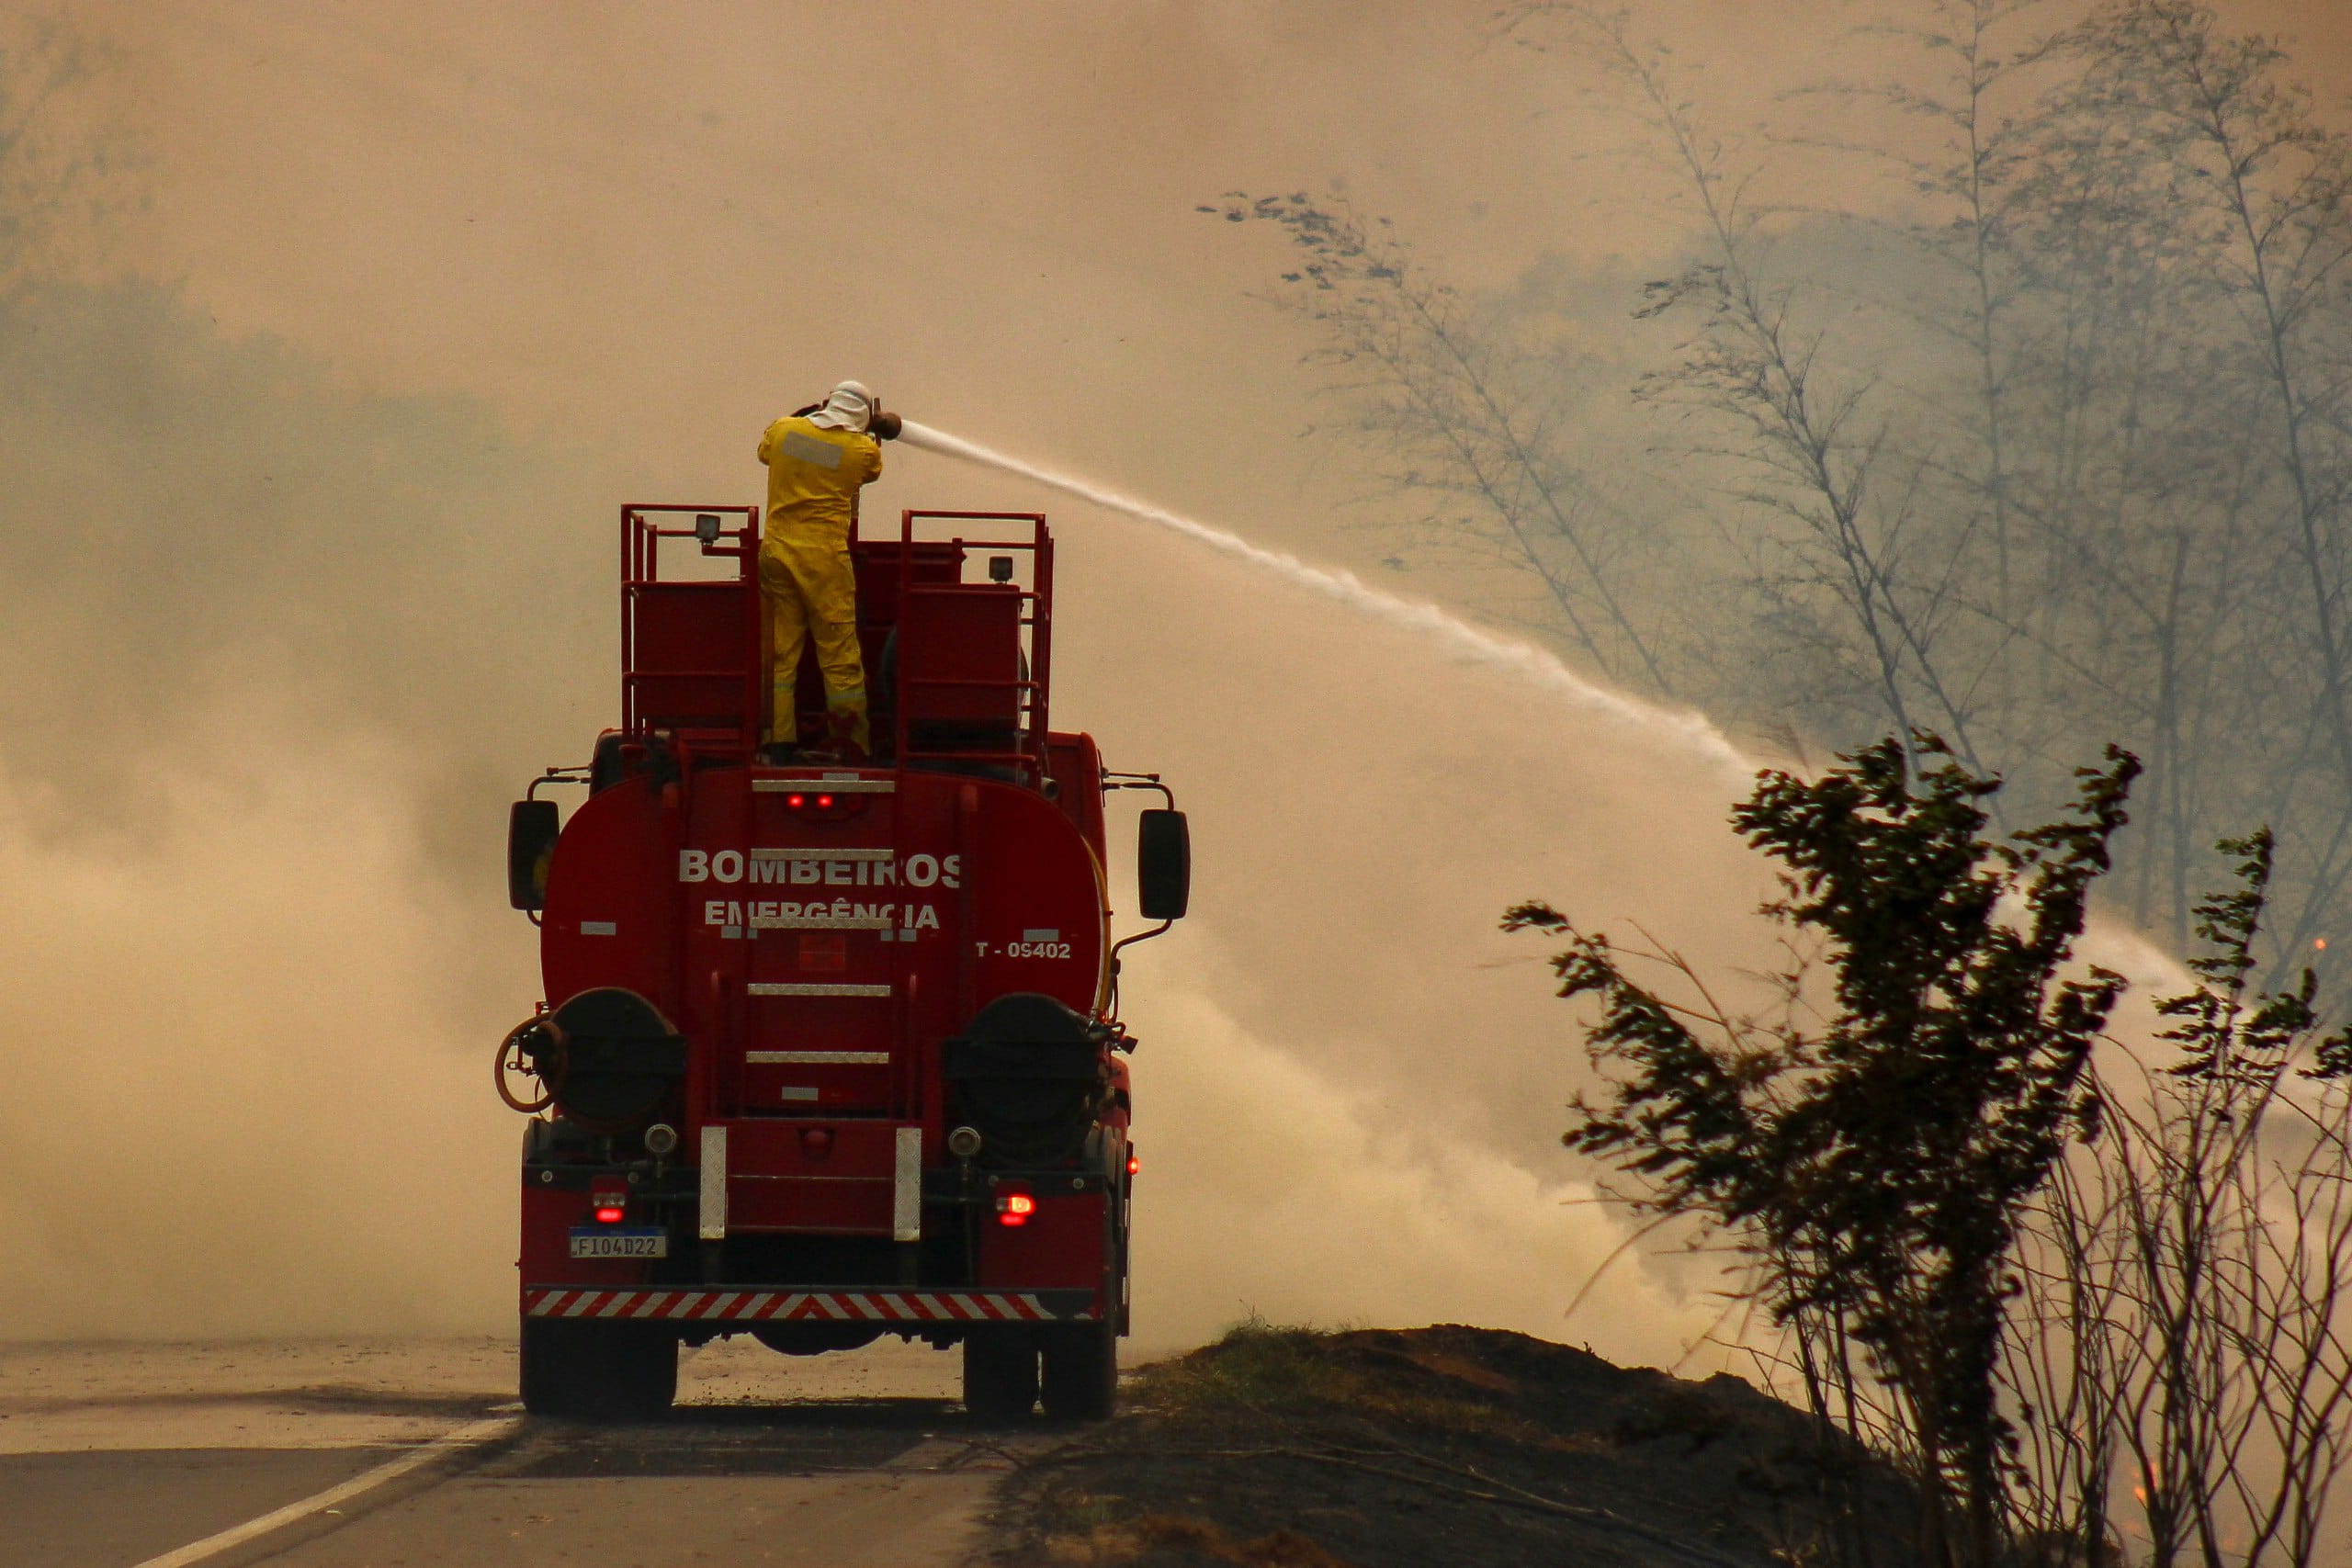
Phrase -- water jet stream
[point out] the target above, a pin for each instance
(1472, 642)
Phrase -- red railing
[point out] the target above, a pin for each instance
(1025, 689)
(693, 649)
(690, 648)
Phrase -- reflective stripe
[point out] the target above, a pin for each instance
(864, 1306)
(714, 1184)
(809, 449)
(906, 1196)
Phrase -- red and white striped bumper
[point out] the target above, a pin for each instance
(820, 1306)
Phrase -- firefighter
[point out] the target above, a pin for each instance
(818, 460)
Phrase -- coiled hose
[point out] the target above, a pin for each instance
(549, 1061)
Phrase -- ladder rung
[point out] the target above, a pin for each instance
(819, 1058)
(801, 988)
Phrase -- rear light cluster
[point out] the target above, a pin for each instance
(802, 802)
(608, 1203)
(1014, 1205)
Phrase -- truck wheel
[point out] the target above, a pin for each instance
(597, 1371)
(552, 1374)
(1000, 1374)
(1081, 1371)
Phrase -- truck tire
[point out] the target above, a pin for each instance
(1081, 1379)
(597, 1371)
(1000, 1375)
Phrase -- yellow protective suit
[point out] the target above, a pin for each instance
(814, 475)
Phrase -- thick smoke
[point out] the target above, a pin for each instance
(265, 687)
(246, 1091)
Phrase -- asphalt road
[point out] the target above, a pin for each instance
(345, 1455)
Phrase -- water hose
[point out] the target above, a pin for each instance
(549, 1062)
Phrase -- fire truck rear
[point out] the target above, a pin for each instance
(831, 1051)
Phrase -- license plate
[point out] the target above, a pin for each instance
(620, 1241)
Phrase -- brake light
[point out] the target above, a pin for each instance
(610, 1213)
(817, 800)
(608, 1203)
(1014, 1208)
(1135, 1164)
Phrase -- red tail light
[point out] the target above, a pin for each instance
(820, 800)
(610, 1215)
(1135, 1164)
(608, 1203)
(1014, 1207)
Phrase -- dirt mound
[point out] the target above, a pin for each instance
(1293, 1448)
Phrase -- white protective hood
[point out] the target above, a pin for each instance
(850, 408)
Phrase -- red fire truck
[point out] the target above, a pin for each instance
(831, 1051)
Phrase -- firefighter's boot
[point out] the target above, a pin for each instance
(845, 732)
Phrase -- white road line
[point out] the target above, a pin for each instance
(468, 1436)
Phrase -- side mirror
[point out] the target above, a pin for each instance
(1163, 865)
(531, 830)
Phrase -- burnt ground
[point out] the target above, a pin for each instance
(1399, 1448)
